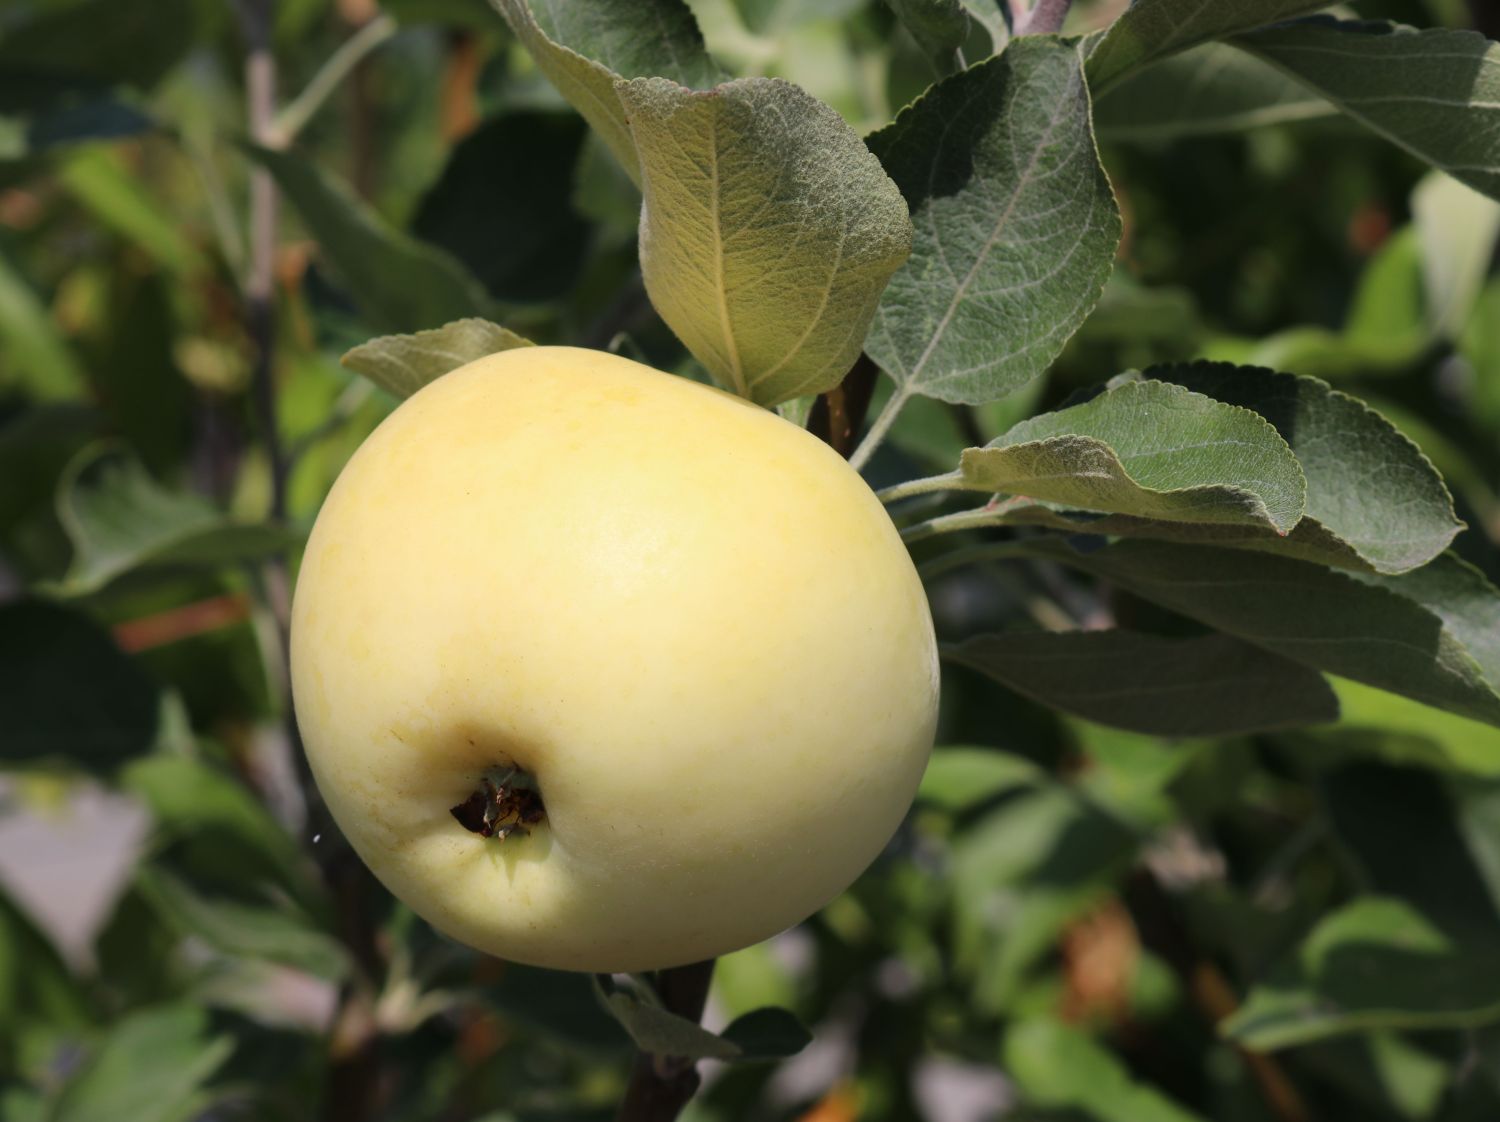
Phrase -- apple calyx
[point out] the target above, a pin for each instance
(502, 805)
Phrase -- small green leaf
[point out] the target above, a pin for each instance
(398, 282)
(1056, 1065)
(767, 233)
(1376, 963)
(1150, 450)
(37, 357)
(1209, 90)
(585, 46)
(120, 520)
(658, 1032)
(149, 1067)
(1434, 92)
(1432, 635)
(1203, 686)
(767, 1034)
(1368, 486)
(118, 199)
(243, 930)
(403, 364)
(1154, 29)
(1015, 226)
(958, 778)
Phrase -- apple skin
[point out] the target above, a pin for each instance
(691, 622)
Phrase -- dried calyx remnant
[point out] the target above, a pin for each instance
(503, 804)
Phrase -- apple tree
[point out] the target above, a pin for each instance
(1167, 334)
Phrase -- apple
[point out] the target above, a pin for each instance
(602, 669)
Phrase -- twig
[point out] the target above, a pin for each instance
(660, 1086)
(883, 422)
(340, 64)
(1044, 18)
(837, 415)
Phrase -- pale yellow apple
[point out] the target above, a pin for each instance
(689, 621)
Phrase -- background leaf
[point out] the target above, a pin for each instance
(1015, 226)
(1203, 686)
(1434, 92)
(1153, 29)
(767, 234)
(399, 283)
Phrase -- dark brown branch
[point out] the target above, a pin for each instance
(838, 415)
(660, 1086)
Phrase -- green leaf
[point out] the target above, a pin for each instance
(1368, 486)
(66, 690)
(1380, 725)
(1431, 635)
(243, 930)
(767, 1034)
(585, 47)
(958, 778)
(149, 1067)
(1056, 1065)
(655, 1030)
(940, 28)
(37, 357)
(1154, 29)
(1015, 226)
(1209, 90)
(1202, 686)
(511, 221)
(1376, 963)
(120, 520)
(99, 178)
(1150, 450)
(1456, 228)
(403, 364)
(1434, 92)
(767, 233)
(399, 283)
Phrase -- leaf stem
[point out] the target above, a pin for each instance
(660, 1086)
(991, 514)
(1044, 18)
(951, 481)
(883, 422)
(354, 50)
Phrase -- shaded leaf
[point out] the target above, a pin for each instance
(398, 282)
(509, 217)
(1430, 635)
(1208, 90)
(100, 179)
(1150, 450)
(1368, 486)
(1057, 1065)
(1202, 686)
(403, 364)
(939, 27)
(561, 1003)
(1154, 29)
(149, 1067)
(1376, 963)
(767, 233)
(66, 690)
(1015, 226)
(1434, 92)
(120, 520)
(767, 1034)
(585, 46)
(243, 930)
(37, 357)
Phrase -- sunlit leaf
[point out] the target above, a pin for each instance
(403, 364)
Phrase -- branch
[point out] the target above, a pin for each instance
(340, 64)
(1044, 18)
(660, 1086)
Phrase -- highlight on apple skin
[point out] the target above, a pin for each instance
(602, 669)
